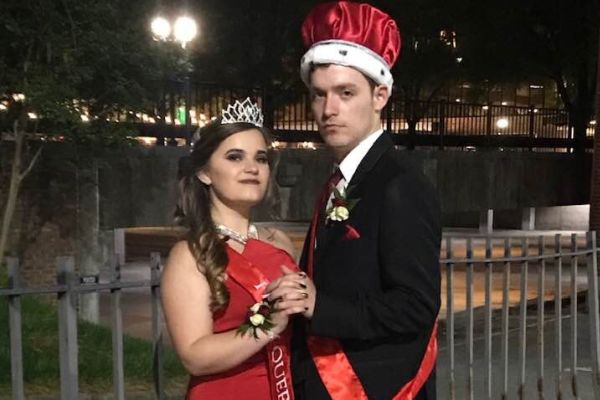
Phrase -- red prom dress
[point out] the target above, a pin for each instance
(248, 273)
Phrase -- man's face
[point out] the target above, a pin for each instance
(346, 108)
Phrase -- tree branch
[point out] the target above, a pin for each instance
(23, 174)
(71, 22)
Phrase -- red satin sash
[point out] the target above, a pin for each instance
(253, 281)
(335, 370)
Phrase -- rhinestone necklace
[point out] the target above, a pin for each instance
(236, 236)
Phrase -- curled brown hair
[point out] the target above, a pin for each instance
(193, 210)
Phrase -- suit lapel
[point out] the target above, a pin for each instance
(381, 145)
(330, 234)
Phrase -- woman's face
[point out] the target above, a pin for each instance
(238, 171)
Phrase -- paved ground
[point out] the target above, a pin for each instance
(583, 378)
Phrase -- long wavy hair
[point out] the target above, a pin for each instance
(193, 210)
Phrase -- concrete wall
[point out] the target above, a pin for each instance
(140, 189)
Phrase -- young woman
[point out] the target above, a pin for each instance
(234, 344)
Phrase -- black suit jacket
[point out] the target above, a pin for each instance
(378, 294)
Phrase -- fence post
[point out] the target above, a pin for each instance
(592, 299)
(119, 244)
(156, 325)
(488, 121)
(505, 315)
(541, 291)
(67, 330)
(389, 110)
(117, 331)
(523, 319)
(15, 326)
(531, 127)
(558, 312)
(442, 122)
(470, 321)
(488, 317)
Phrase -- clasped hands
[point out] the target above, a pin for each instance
(292, 293)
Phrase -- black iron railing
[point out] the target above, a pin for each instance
(414, 123)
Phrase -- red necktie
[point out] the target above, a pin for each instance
(320, 205)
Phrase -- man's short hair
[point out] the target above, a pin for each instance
(371, 81)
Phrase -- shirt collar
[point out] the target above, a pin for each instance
(350, 163)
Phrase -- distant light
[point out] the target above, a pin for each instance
(146, 141)
(593, 122)
(3, 107)
(185, 30)
(275, 144)
(536, 86)
(504, 103)
(32, 115)
(485, 108)
(457, 100)
(459, 59)
(307, 145)
(18, 97)
(535, 110)
(85, 118)
(161, 28)
(502, 123)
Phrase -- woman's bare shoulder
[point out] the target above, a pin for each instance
(181, 257)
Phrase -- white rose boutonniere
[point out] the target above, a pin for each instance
(341, 205)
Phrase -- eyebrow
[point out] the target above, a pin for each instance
(234, 150)
(340, 87)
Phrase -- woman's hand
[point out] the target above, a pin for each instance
(280, 321)
(293, 293)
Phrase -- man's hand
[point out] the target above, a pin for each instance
(293, 293)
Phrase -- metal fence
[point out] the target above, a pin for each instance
(414, 123)
(506, 303)
(68, 286)
(508, 344)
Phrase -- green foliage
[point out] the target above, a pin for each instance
(40, 353)
(71, 57)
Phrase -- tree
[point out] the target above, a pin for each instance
(66, 67)
(428, 61)
(512, 40)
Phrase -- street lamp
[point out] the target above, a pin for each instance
(182, 31)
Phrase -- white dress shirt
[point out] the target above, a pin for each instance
(350, 163)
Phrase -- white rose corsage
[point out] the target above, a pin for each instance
(258, 317)
(341, 205)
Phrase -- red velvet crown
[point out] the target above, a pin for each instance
(356, 35)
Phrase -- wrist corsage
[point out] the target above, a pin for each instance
(258, 317)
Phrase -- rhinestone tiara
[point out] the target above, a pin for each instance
(245, 111)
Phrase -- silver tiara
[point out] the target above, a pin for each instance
(246, 111)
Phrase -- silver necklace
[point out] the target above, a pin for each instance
(236, 236)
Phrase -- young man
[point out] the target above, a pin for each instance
(369, 330)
